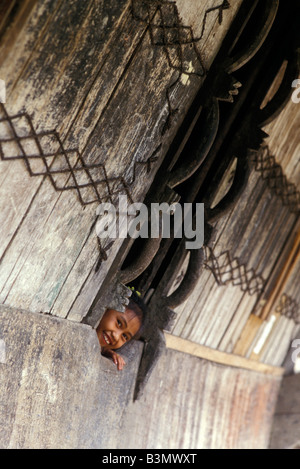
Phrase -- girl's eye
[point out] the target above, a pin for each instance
(119, 323)
(125, 337)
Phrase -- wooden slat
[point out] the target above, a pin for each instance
(237, 324)
(278, 343)
(248, 335)
(262, 337)
(291, 261)
(186, 346)
(223, 311)
(255, 231)
(283, 140)
(12, 24)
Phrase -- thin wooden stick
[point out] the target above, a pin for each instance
(223, 358)
(283, 277)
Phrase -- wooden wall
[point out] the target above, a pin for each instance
(58, 392)
(218, 407)
(246, 301)
(93, 77)
(96, 88)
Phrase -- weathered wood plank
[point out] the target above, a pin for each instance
(187, 312)
(278, 343)
(14, 16)
(284, 276)
(283, 140)
(117, 63)
(236, 226)
(216, 316)
(36, 183)
(214, 327)
(14, 182)
(248, 335)
(192, 13)
(56, 388)
(261, 339)
(224, 407)
(216, 356)
(255, 243)
(48, 188)
(237, 324)
(278, 237)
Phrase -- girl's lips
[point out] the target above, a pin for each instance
(106, 338)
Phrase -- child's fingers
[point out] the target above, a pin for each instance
(121, 363)
(117, 359)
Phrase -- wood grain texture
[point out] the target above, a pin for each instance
(94, 73)
(254, 233)
(57, 392)
(56, 389)
(284, 139)
(90, 71)
(216, 356)
(218, 407)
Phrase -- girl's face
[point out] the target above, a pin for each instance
(116, 328)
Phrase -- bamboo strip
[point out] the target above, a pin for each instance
(283, 277)
(248, 335)
(201, 351)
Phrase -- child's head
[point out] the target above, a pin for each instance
(116, 329)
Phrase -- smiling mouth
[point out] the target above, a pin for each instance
(106, 338)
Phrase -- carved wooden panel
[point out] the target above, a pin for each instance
(150, 100)
(95, 93)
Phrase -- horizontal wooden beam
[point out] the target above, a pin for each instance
(223, 358)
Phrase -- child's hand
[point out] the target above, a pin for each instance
(117, 359)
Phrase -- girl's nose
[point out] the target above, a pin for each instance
(116, 335)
